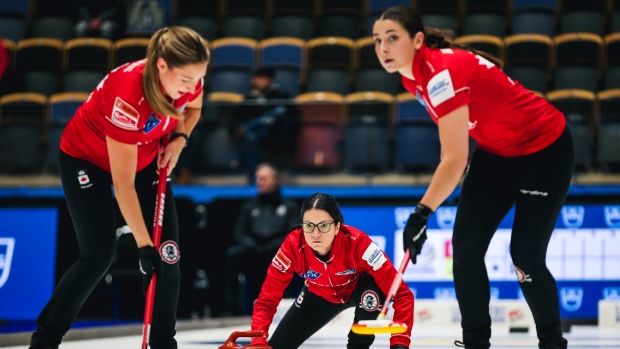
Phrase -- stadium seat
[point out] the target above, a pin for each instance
(201, 16)
(485, 17)
(330, 62)
(62, 106)
(286, 56)
(341, 18)
(13, 26)
(578, 61)
(528, 60)
(369, 74)
(579, 108)
(615, 17)
(56, 27)
(232, 64)
(612, 58)
(374, 8)
(40, 75)
(367, 131)
(534, 17)
(245, 18)
(608, 151)
(320, 131)
(293, 19)
(441, 14)
(578, 16)
(129, 49)
(218, 150)
(416, 138)
(87, 62)
(490, 44)
(21, 132)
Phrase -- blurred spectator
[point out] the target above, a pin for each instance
(261, 125)
(261, 226)
(99, 18)
(147, 16)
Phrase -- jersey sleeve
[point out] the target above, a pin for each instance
(279, 275)
(448, 88)
(121, 94)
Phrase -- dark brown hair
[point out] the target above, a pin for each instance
(411, 21)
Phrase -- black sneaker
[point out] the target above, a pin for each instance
(462, 345)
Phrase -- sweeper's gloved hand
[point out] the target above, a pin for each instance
(150, 262)
(414, 233)
(398, 347)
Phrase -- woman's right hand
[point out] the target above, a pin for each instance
(150, 262)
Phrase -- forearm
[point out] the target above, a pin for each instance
(130, 208)
(447, 176)
(191, 117)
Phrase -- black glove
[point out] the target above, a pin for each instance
(150, 262)
(398, 347)
(414, 234)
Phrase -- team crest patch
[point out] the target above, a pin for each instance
(124, 115)
(169, 251)
(299, 299)
(369, 301)
(151, 123)
(82, 177)
(310, 274)
(281, 261)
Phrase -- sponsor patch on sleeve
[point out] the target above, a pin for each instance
(124, 115)
(440, 88)
(281, 261)
(374, 256)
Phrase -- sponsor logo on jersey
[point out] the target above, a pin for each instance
(151, 123)
(169, 251)
(346, 272)
(440, 88)
(310, 274)
(521, 276)
(280, 261)
(612, 216)
(7, 245)
(571, 298)
(374, 256)
(369, 301)
(572, 216)
(83, 179)
(124, 115)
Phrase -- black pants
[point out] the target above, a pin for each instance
(306, 317)
(91, 205)
(537, 185)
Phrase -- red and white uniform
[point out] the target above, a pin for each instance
(505, 118)
(353, 253)
(118, 108)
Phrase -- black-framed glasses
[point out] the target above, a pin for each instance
(323, 227)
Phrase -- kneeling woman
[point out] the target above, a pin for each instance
(342, 268)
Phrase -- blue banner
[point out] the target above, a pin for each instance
(27, 261)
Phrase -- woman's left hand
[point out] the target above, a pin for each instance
(169, 155)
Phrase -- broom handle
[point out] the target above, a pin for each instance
(395, 284)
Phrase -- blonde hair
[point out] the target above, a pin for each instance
(178, 46)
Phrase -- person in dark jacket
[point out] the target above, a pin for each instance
(261, 226)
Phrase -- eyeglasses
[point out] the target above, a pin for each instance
(324, 227)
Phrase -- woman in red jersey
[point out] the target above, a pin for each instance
(342, 268)
(114, 140)
(524, 157)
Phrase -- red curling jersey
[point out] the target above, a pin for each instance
(118, 108)
(505, 118)
(353, 254)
